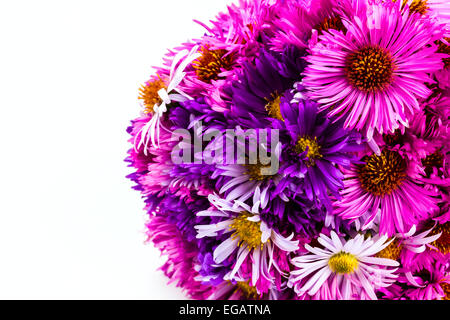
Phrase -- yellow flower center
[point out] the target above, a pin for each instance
(434, 160)
(248, 291)
(149, 94)
(273, 107)
(258, 172)
(446, 288)
(247, 231)
(310, 144)
(343, 263)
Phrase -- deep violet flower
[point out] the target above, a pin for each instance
(314, 148)
(256, 96)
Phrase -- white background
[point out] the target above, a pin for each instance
(70, 225)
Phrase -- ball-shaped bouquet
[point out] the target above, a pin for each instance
(299, 150)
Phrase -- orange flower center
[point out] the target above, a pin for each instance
(443, 242)
(333, 22)
(149, 93)
(382, 174)
(370, 69)
(212, 63)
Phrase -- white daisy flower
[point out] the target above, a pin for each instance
(150, 132)
(250, 240)
(343, 269)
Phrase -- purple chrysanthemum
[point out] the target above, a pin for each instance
(313, 149)
(256, 96)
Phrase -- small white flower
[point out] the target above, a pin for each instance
(247, 235)
(347, 267)
(416, 243)
(150, 132)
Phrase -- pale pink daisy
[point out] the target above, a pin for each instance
(406, 246)
(343, 269)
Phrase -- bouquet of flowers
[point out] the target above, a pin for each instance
(299, 150)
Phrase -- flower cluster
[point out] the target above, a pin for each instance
(300, 150)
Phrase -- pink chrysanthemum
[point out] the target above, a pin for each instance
(407, 247)
(374, 74)
(427, 284)
(343, 269)
(181, 256)
(388, 186)
(232, 39)
(240, 30)
(428, 132)
(298, 21)
(431, 124)
(438, 9)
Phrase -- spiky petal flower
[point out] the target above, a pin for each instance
(373, 75)
(406, 246)
(165, 96)
(256, 96)
(181, 256)
(313, 149)
(428, 284)
(387, 186)
(343, 269)
(250, 243)
(438, 9)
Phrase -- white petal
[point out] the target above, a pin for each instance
(379, 261)
(242, 254)
(224, 250)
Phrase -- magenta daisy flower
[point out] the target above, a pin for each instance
(438, 9)
(428, 284)
(427, 134)
(388, 186)
(343, 269)
(300, 21)
(181, 256)
(406, 247)
(373, 75)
